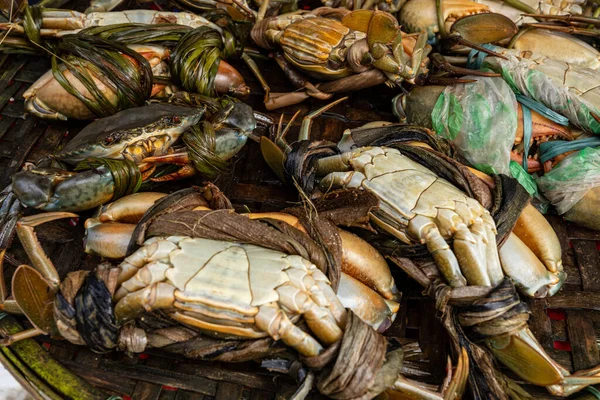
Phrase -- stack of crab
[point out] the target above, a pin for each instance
(498, 115)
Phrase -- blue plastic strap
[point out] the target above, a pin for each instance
(595, 392)
(527, 133)
(542, 110)
(549, 150)
(476, 57)
(3, 315)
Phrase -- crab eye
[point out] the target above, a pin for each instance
(176, 120)
(108, 140)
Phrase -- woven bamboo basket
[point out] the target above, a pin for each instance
(567, 324)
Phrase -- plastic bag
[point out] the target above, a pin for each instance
(571, 179)
(480, 118)
(541, 79)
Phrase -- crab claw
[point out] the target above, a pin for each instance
(523, 354)
(366, 303)
(529, 275)
(109, 234)
(532, 255)
(585, 211)
(535, 231)
(484, 28)
(51, 189)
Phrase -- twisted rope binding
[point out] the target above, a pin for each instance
(500, 312)
(358, 366)
(127, 73)
(126, 175)
(201, 144)
(195, 60)
(87, 312)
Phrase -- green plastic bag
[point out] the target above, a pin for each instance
(480, 118)
(571, 179)
(542, 79)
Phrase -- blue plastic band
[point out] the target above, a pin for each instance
(542, 110)
(3, 315)
(476, 57)
(595, 392)
(549, 150)
(527, 133)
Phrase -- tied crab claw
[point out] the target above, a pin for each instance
(227, 289)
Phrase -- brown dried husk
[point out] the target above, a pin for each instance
(357, 367)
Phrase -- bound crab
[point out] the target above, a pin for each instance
(261, 278)
(144, 139)
(352, 50)
(113, 61)
(418, 206)
(538, 142)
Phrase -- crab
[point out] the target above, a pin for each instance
(141, 140)
(352, 50)
(418, 206)
(229, 290)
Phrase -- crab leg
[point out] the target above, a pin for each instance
(272, 319)
(567, 29)
(12, 307)
(523, 354)
(445, 259)
(156, 296)
(6, 304)
(319, 319)
(308, 120)
(31, 244)
(454, 389)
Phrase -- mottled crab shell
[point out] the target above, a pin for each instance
(130, 131)
(309, 43)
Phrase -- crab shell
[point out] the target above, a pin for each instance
(315, 45)
(234, 290)
(559, 46)
(132, 134)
